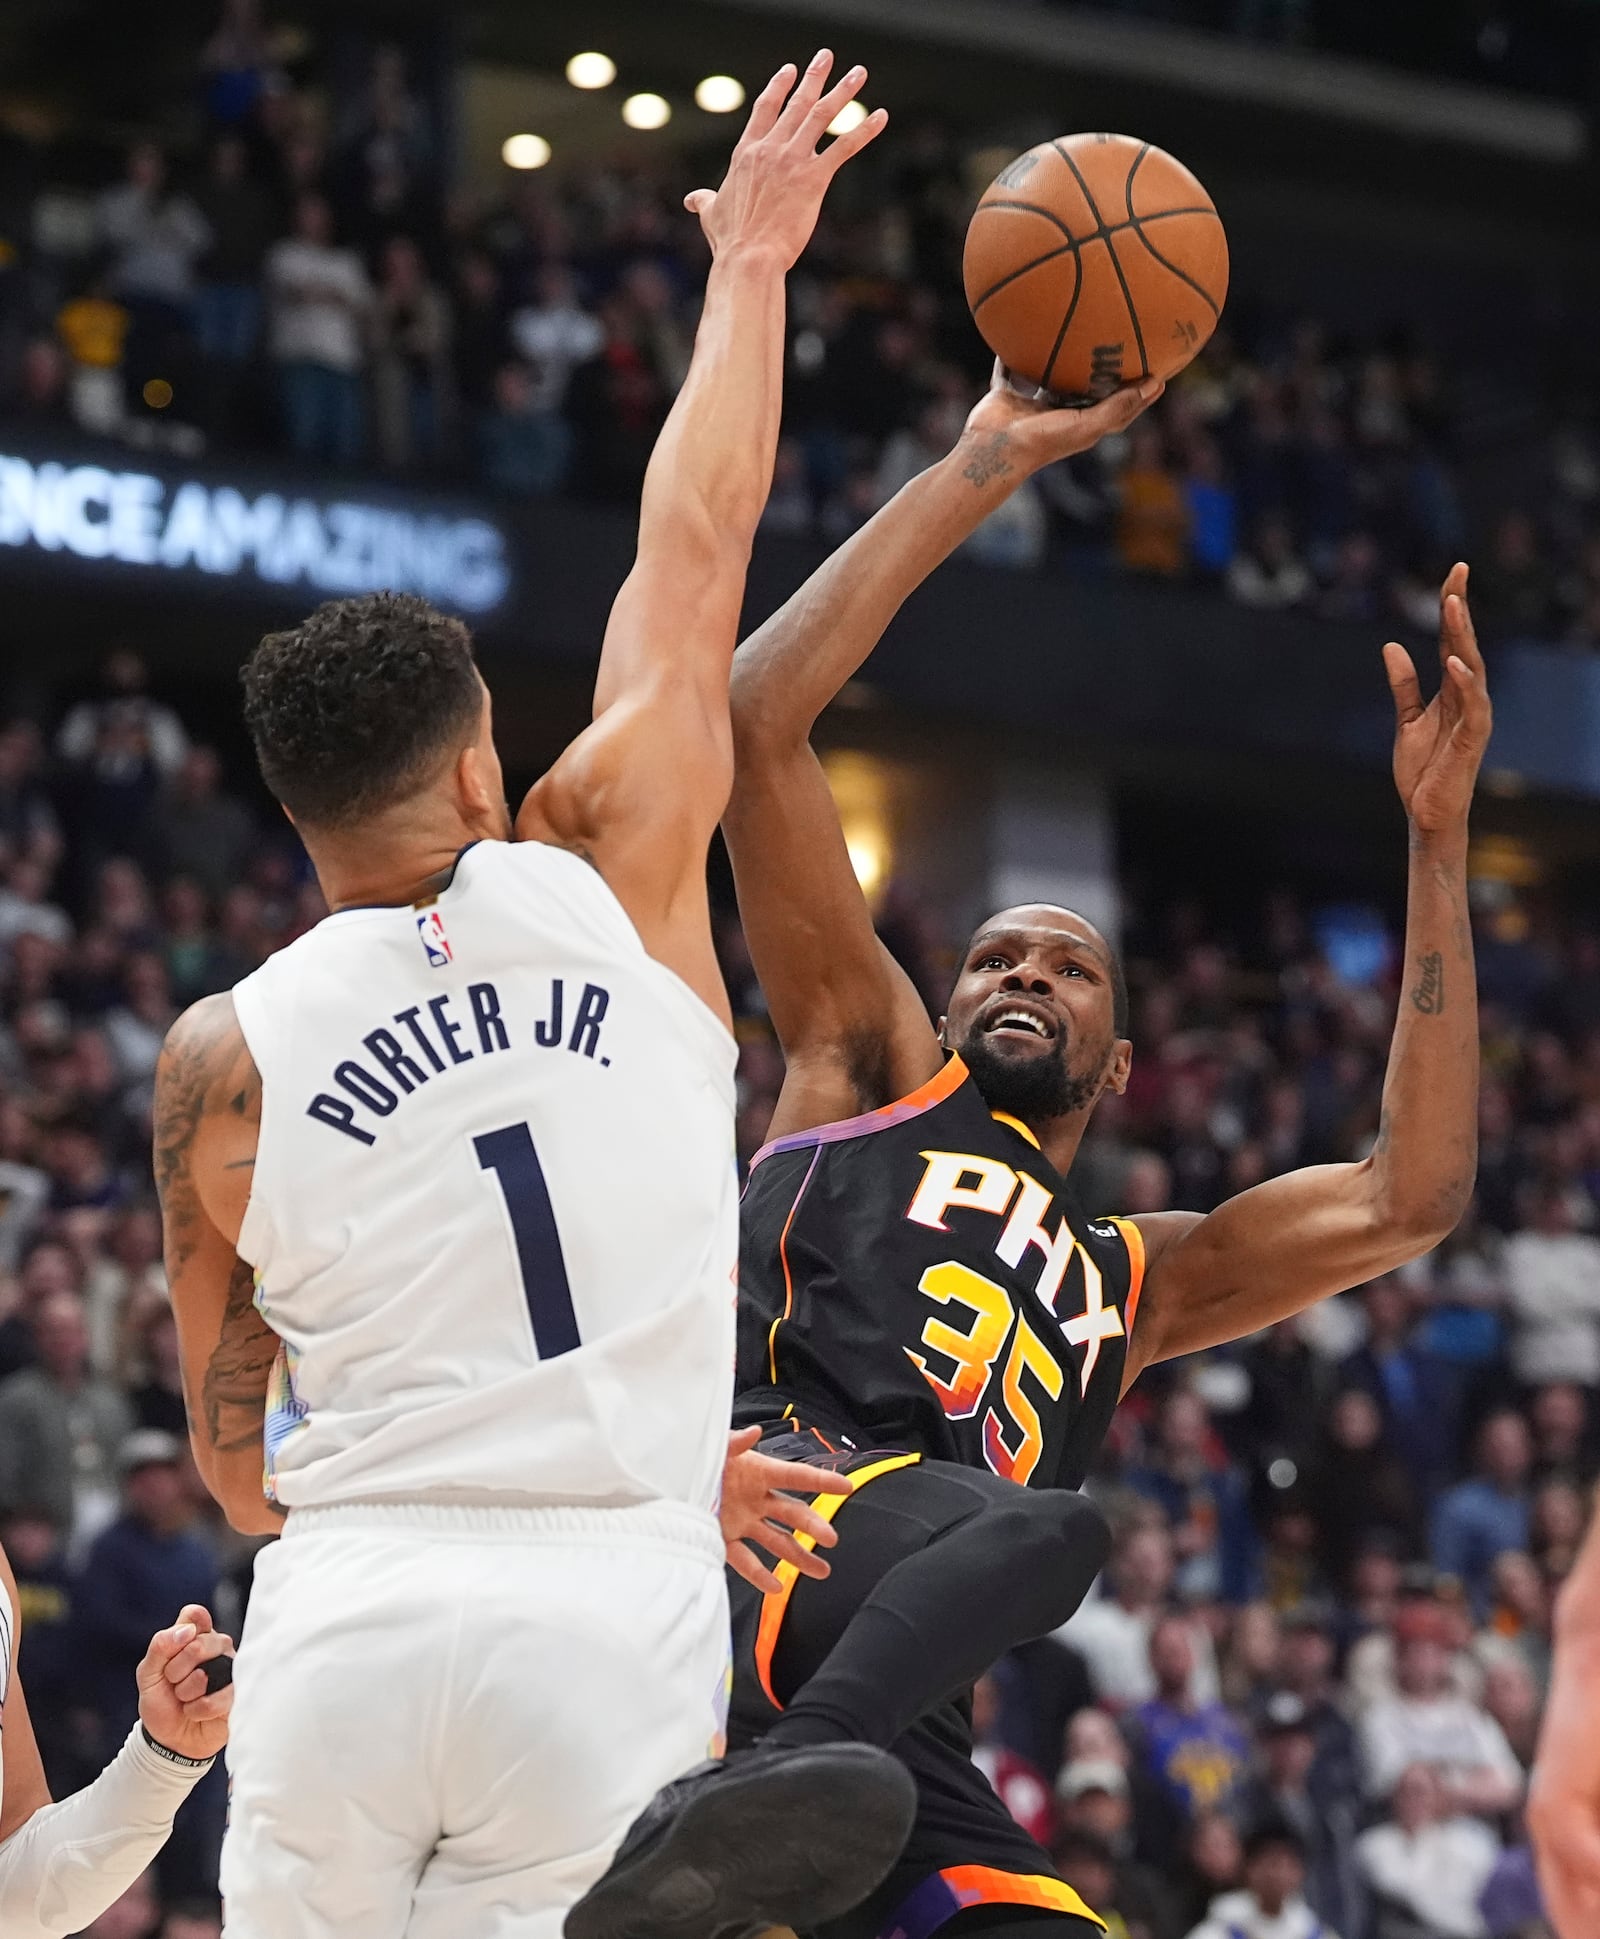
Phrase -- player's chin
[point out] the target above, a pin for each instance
(1019, 1046)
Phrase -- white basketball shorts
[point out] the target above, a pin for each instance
(447, 1717)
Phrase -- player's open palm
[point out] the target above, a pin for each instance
(1039, 430)
(176, 1704)
(777, 178)
(1438, 748)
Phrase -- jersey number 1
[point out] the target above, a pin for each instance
(510, 1155)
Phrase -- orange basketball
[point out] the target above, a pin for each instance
(1093, 261)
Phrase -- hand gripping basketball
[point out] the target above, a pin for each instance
(1032, 429)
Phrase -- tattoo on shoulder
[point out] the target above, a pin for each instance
(989, 460)
(205, 1067)
(1428, 994)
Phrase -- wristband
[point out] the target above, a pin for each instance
(176, 1757)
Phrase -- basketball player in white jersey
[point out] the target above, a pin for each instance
(466, 1151)
(62, 1864)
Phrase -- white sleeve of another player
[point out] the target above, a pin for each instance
(60, 1870)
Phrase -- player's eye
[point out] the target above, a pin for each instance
(992, 962)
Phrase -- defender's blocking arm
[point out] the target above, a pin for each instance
(855, 1033)
(1284, 1244)
(640, 792)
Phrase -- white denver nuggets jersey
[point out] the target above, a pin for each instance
(494, 1214)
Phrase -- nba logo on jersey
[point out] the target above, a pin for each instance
(430, 927)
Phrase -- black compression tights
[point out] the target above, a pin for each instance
(939, 1571)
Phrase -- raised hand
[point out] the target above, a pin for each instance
(1033, 430)
(776, 178)
(176, 1705)
(759, 1504)
(1438, 748)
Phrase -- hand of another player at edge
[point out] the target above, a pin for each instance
(1038, 429)
(1438, 748)
(760, 1505)
(175, 1706)
(776, 179)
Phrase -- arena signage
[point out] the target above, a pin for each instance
(280, 538)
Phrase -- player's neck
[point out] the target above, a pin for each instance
(391, 861)
(1059, 1138)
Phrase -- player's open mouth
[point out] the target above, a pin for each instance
(1023, 1022)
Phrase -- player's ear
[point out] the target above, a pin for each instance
(474, 789)
(944, 1041)
(1121, 1066)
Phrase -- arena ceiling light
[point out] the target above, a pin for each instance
(851, 115)
(646, 111)
(591, 70)
(525, 151)
(719, 94)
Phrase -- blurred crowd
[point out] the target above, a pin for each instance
(311, 278)
(1308, 1690)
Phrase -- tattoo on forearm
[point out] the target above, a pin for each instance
(1428, 996)
(233, 1393)
(989, 460)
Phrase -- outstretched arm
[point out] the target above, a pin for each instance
(207, 1117)
(1284, 1244)
(1564, 1798)
(641, 791)
(854, 1032)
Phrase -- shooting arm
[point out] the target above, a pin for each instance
(207, 1109)
(854, 1031)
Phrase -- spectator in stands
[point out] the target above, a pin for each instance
(61, 1428)
(1213, 513)
(1019, 1785)
(1197, 1752)
(203, 831)
(1479, 1520)
(1111, 1632)
(1559, 1418)
(1512, 584)
(1553, 1276)
(1358, 1483)
(1094, 1801)
(522, 451)
(1268, 573)
(1289, 1786)
(1152, 527)
(319, 302)
(1425, 1866)
(94, 326)
(413, 402)
(1212, 1866)
(1204, 1500)
(1415, 1392)
(1426, 1722)
(148, 1559)
(151, 1558)
(1270, 1906)
(155, 236)
(241, 220)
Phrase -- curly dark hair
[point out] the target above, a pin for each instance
(353, 709)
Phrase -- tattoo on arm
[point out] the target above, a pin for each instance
(1428, 996)
(989, 460)
(231, 1396)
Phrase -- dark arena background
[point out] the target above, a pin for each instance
(1149, 688)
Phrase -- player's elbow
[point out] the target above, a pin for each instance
(1415, 1213)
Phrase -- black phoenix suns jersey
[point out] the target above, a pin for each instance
(922, 1278)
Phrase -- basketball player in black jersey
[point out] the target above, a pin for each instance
(922, 1298)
